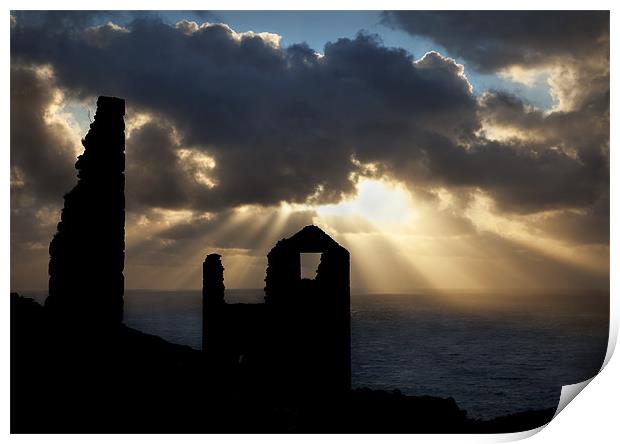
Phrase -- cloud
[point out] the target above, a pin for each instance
(156, 173)
(576, 64)
(286, 121)
(42, 145)
(220, 120)
(492, 40)
(570, 49)
(283, 124)
(583, 131)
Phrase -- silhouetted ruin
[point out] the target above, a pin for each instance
(280, 366)
(299, 339)
(87, 253)
(212, 299)
(320, 308)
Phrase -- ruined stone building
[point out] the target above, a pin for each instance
(87, 253)
(298, 340)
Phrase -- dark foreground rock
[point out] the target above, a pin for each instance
(70, 379)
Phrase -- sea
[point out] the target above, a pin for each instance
(494, 353)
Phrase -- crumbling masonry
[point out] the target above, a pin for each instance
(87, 253)
(298, 341)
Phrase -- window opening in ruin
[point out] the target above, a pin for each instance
(309, 264)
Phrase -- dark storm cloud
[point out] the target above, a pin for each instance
(491, 40)
(584, 130)
(520, 177)
(561, 158)
(283, 124)
(42, 152)
(154, 173)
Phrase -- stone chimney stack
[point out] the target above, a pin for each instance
(87, 253)
(212, 299)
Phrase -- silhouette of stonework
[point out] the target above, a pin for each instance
(87, 253)
(298, 341)
(212, 296)
(320, 338)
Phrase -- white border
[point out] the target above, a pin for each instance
(591, 418)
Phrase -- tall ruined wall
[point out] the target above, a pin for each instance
(213, 279)
(212, 301)
(88, 251)
(311, 320)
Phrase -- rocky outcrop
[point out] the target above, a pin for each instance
(87, 253)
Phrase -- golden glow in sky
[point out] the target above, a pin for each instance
(399, 243)
(379, 202)
(400, 239)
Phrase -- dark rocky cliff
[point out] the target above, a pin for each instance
(75, 381)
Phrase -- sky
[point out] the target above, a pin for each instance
(444, 150)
